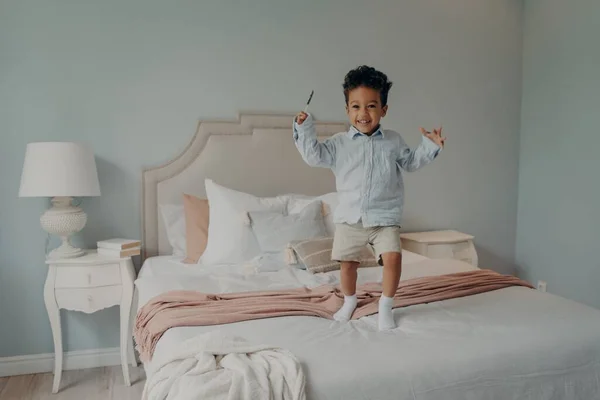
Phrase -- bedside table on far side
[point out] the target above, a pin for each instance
(88, 284)
(441, 244)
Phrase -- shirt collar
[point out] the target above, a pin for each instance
(353, 132)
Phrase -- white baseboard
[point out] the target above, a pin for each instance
(79, 359)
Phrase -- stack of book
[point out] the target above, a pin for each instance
(119, 247)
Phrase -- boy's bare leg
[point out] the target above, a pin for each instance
(392, 269)
(348, 275)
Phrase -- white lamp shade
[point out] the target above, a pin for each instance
(53, 169)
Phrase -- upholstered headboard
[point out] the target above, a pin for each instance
(254, 154)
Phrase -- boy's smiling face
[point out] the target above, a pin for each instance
(364, 109)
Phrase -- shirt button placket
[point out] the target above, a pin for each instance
(369, 162)
(364, 183)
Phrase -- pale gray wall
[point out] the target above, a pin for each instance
(131, 78)
(559, 188)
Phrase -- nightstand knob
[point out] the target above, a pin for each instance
(89, 276)
(89, 298)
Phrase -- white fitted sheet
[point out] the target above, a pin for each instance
(514, 343)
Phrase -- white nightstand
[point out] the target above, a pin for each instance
(441, 244)
(90, 283)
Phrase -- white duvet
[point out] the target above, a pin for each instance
(212, 366)
(514, 343)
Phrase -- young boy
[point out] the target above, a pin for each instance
(367, 162)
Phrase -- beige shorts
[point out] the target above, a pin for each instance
(351, 239)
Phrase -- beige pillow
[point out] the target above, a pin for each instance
(315, 254)
(196, 227)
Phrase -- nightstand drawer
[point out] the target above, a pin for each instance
(447, 250)
(446, 244)
(464, 252)
(84, 277)
(440, 251)
(88, 300)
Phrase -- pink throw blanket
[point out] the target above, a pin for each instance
(190, 308)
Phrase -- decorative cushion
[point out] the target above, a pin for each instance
(230, 240)
(297, 202)
(315, 254)
(174, 220)
(196, 227)
(274, 231)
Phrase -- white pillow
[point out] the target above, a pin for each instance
(273, 231)
(230, 238)
(297, 202)
(173, 218)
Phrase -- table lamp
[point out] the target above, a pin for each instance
(60, 170)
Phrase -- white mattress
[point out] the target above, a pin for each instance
(514, 343)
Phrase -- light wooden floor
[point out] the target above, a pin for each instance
(88, 384)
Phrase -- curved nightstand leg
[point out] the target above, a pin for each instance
(130, 348)
(125, 339)
(126, 300)
(134, 304)
(54, 316)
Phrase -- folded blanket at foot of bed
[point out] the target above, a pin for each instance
(191, 308)
(213, 366)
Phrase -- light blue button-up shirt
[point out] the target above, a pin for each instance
(368, 170)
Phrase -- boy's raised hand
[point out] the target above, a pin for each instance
(301, 117)
(435, 136)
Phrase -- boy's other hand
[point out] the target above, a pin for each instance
(301, 117)
(435, 136)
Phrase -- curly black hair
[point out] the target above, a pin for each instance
(368, 77)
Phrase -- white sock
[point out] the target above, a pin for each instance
(386, 318)
(345, 312)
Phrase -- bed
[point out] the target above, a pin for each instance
(513, 343)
